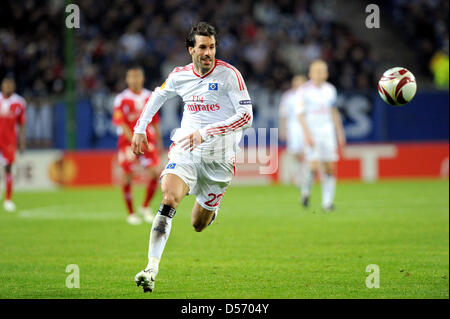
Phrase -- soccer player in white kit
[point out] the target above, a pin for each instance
(217, 107)
(322, 127)
(291, 131)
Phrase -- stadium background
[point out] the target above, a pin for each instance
(263, 244)
(69, 77)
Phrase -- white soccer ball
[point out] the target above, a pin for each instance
(397, 86)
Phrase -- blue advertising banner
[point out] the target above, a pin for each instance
(366, 118)
(425, 118)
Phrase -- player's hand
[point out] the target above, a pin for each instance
(138, 142)
(159, 147)
(191, 141)
(283, 136)
(309, 140)
(342, 142)
(22, 148)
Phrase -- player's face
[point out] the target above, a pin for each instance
(8, 87)
(203, 53)
(297, 81)
(135, 80)
(318, 72)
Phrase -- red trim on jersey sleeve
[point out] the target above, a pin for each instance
(240, 80)
(156, 118)
(227, 128)
(178, 69)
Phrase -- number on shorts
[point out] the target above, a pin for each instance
(214, 197)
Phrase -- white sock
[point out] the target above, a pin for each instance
(304, 171)
(328, 189)
(153, 263)
(158, 238)
(307, 181)
(299, 173)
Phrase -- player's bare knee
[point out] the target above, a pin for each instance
(196, 222)
(329, 169)
(170, 199)
(200, 219)
(314, 171)
(152, 173)
(127, 179)
(314, 167)
(329, 172)
(198, 227)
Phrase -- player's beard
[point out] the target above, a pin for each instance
(136, 88)
(7, 94)
(206, 68)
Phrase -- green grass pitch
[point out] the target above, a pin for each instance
(263, 244)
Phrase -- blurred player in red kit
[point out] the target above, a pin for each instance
(12, 113)
(128, 106)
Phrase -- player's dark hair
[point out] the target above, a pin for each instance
(136, 67)
(201, 28)
(9, 78)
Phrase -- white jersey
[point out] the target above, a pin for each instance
(316, 103)
(217, 104)
(294, 136)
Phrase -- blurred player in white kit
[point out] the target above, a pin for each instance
(217, 107)
(291, 131)
(323, 132)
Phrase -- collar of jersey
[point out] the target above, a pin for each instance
(136, 93)
(204, 76)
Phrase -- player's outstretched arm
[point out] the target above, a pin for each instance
(282, 129)
(339, 129)
(300, 111)
(308, 138)
(240, 99)
(154, 103)
(159, 142)
(283, 114)
(22, 138)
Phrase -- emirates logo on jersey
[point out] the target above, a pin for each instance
(202, 107)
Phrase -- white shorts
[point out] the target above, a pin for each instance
(207, 180)
(295, 147)
(323, 150)
(295, 143)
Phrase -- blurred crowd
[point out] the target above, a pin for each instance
(267, 40)
(31, 46)
(425, 25)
